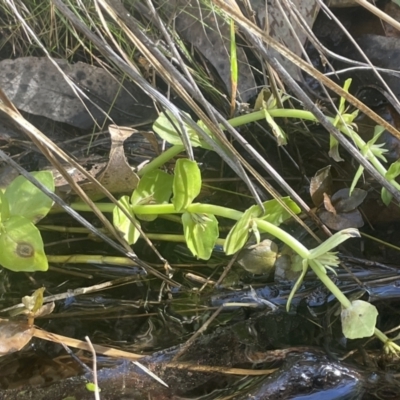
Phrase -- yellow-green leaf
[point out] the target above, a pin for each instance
(201, 233)
(28, 201)
(122, 223)
(239, 234)
(359, 320)
(21, 246)
(187, 183)
(155, 187)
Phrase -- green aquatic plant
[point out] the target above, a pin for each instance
(22, 205)
(200, 226)
(166, 123)
(200, 221)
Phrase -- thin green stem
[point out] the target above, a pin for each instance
(276, 113)
(66, 229)
(219, 211)
(284, 237)
(163, 158)
(156, 209)
(306, 115)
(91, 259)
(238, 121)
(381, 336)
(319, 270)
(152, 236)
(199, 208)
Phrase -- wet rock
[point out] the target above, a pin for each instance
(37, 86)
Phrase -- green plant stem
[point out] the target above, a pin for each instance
(152, 236)
(198, 208)
(238, 121)
(285, 237)
(91, 259)
(306, 115)
(163, 158)
(324, 278)
(381, 242)
(67, 229)
(275, 113)
(157, 209)
(381, 336)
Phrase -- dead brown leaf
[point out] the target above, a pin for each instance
(321, 183)
(116, 176)
(341, 209)
(328, 204)
(14, 335)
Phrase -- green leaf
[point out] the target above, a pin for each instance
(298, 283)
(276, 129)
(155, 187)
(348, 119)
(394, 171)
(259, 258)
(378, 131)
(166, 125)
(21, 246)
(28, 201)
(239, 234)
(296, 262)
(332, 242)
(255, 231)
(233, 60)
(334, 149)
(386, 196)
(35, 302)
(371, 150)
(267, 101)
(328, 259)
(121, 222)
(359, 320)
(276, 214)
(342, 102)
(91, 387)
(201, 233)
(356, 178)
(187, 183)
